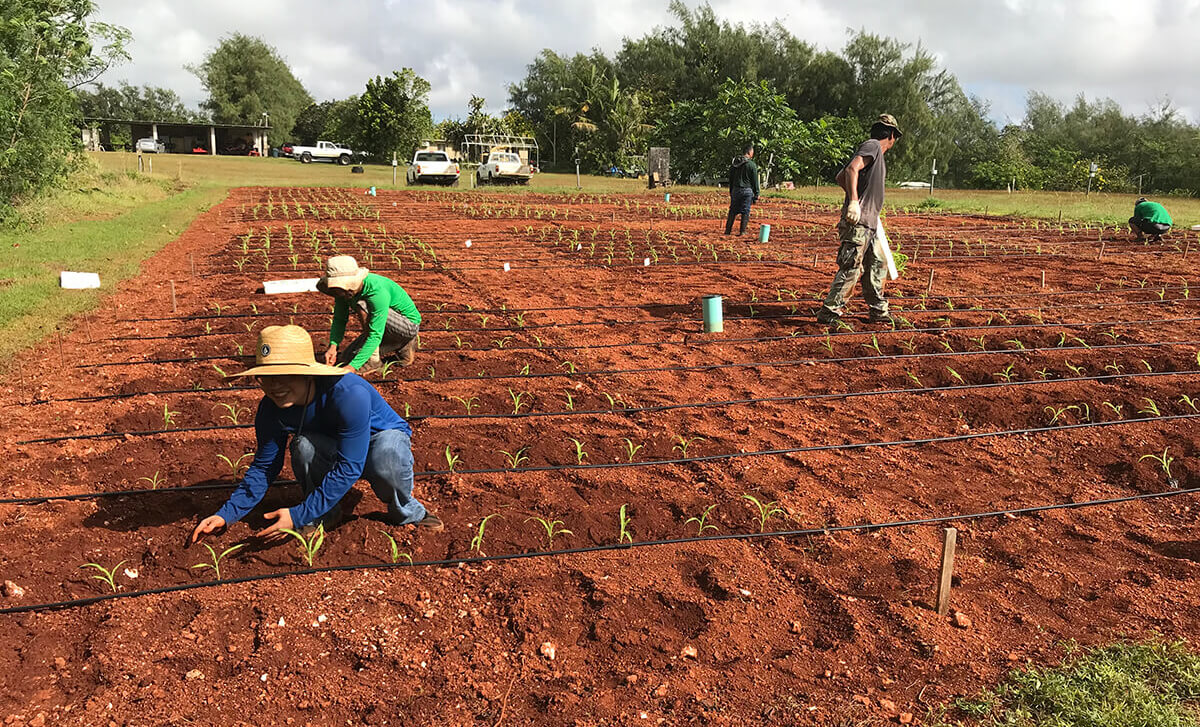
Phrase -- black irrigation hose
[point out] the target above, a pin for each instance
(850, 446)
(636, 410)
(455, 562)
(691, 303)
(709, 367)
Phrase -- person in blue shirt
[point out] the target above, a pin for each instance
(341, 430)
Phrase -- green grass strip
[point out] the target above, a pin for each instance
(31, 303)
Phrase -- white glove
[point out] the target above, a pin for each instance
(853, 213)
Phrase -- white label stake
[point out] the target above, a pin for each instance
(507, 267)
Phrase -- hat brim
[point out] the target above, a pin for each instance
(293, 369)
(344, 281)
(894, 128)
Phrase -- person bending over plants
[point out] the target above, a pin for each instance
(390, 320)
(341, 430)
(1149, 218)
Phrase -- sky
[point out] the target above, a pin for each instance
(1137, 52)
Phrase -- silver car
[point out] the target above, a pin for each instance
(150, 146)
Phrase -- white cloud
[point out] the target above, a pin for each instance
(1134, 52)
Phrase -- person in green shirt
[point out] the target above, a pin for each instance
(390, 320)
(1149, 218)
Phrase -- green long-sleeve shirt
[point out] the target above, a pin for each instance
(380, 295)
(1152, 212)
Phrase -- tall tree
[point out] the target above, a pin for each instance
(246, 78)
(125, 101)
(47, 48)
(393, 114)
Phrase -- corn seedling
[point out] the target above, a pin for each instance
(701, 521)
(477, 539)
(1149, 368)
(684, 443)
(220, 371)
(873, 345)
(1116, 409)
(1005, 374)
(827, 344)
(569, 366)
(218, 557)
(1016, 343)
(1164, 462)
(106, 575)
(1185, 399)
(553, 529)
(623, 535)
(1076, 371)
(580, 454)
(394, 549)
(468, 403)
(515, 459)
(631, 449)
(308, 545)
(955, 375)
(235, 466)
(979, 342)
(452, 459)
(570, 404)
(233, 412)
(1057, 413)
(913, 378)
(766, 510)
(1114, 367)
(1151, 408)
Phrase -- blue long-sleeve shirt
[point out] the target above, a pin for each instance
(345, 408)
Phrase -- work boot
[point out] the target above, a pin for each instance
(826, 318)
(431, 522)
(406, 355)
(881, 318)
(372, 364)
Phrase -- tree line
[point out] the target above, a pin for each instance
(700, 85)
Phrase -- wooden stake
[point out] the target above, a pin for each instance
(1100, 255)
(61, 357)
(1186, 246)
(1043, 278)
(949, 541)
(929, 288)
(192, 263)
(174, 307)
(814, 259)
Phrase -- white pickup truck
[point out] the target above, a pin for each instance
(503, 166)
(432, 166)
(323, 150)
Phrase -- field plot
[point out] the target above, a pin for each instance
(563, 377)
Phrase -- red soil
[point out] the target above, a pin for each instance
(811, 630)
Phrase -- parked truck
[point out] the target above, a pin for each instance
(503, 166)
(323, 150)
(434, 167)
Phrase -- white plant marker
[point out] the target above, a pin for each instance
(646, 262)
(78, 281)
(468, 243)
(507, 267)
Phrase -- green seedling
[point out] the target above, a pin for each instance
(553, 529)
(501, 342)
(1151, 408)
(483, 320)
(394, 549)
(432, 373)
(1057, 413)
(308, 545)
(623, 535)
(631, 449)
(701, 521)
(580, 454)
(873, 346)
(235, 466)
(913, 378)
(1076, 371)
(468, 403)
(524, 370)
(946, 346)
(233, 412)
(910, 345)
(979, 342)
(218, 557)
(518, 399)
(570, 401)
(827, 344)
(220, 371)
(452, 459)
(1114, 367)
(569, 366)
(1185, 399)
(168, 417)
(766, 510)
(684, 443)
(1116, 409)
(1111, 334)
(515, 459)
(477, 540)
(1005, 374)
(1016, 343)
(107, 576)
(1164, 462)
(1146, 364)
(1062, 340)
(154, 481)
(955, 375)
(841, 325)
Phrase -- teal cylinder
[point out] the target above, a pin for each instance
(764, 233)
(667, 197)
(711, 307)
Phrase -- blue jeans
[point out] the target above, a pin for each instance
(389, 469)
(740, 200)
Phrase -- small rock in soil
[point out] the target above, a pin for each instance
(796, 627)
(194, 674)
(661, 691)
(548, 650)
(60, 663)
(631, 679)
(888, 707)
(689, 652)
(961, 620)
(12, 590)
(905, 718)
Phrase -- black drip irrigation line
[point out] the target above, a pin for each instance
(455, 562)
(691, 303)
(706, 367)
(849, 446)
(643, 409)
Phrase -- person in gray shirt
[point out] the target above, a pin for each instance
(862, 179)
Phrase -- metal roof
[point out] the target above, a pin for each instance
(176, 123)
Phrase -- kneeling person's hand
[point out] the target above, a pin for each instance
(210, 524)
(283, 521)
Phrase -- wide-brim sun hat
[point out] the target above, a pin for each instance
(342, 271)
(288, 351)
(889, 121)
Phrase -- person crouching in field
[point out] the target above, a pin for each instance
(390, 320)
(1149, 218)
(341, 430)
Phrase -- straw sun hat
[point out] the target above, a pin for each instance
(287, 350)
(342, 271)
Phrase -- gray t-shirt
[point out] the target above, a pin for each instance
(870, 182)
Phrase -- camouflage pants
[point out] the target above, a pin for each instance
(856, 255)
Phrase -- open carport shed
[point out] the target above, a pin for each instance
(177, 137)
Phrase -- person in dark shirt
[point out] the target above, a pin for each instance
(341, 430)
(862, 179)
(743, 189)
